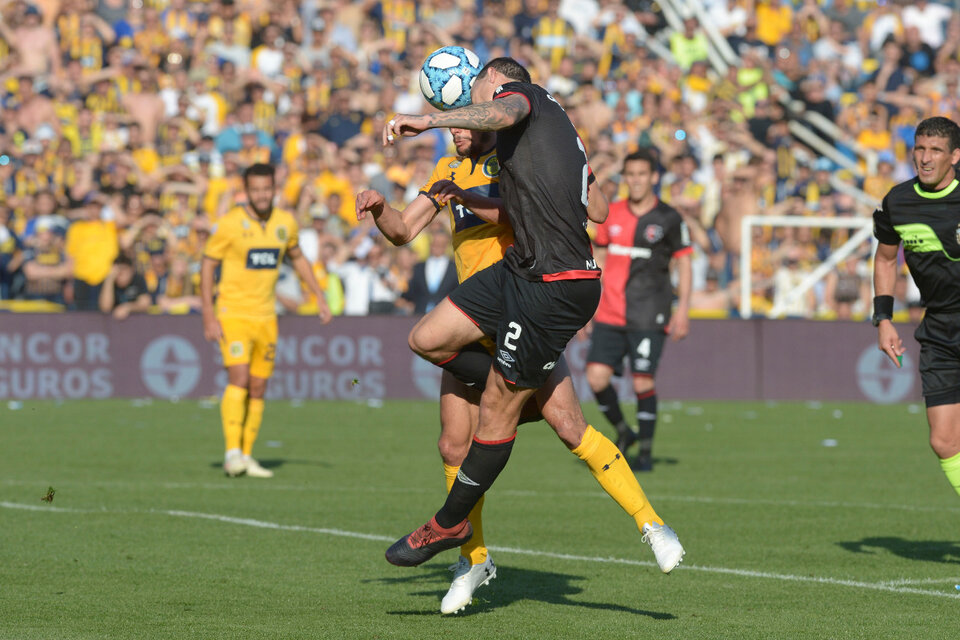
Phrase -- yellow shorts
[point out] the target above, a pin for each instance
(251, 341)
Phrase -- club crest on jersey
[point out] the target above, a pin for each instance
(491, 167)
(653, 233)
(958, 234)
(282, 234)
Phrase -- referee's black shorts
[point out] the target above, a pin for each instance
(532, 322)
(939, 338)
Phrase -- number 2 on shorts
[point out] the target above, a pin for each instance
(513, 334)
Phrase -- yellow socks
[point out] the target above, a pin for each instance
(251, 425)
(611, 470)
(232, 409)
(475, 550)
(951, 467)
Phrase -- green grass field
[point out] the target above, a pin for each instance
(785, 537)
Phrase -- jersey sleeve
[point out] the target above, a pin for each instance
(219, 241)
(293, 237)
(528, 91)
(882, 226)
(434, 177)
(679, 238)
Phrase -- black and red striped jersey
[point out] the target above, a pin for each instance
(637, 292)
(543, 183)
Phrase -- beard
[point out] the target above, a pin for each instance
(263, 213)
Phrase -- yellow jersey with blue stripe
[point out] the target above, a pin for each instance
(476, 243)
(250, 252)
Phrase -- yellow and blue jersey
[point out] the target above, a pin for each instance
(250, 253)
(476, 243)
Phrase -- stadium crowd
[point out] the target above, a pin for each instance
(126, 125)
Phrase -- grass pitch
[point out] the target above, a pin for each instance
(800, 521)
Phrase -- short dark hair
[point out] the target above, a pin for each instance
(643, 154)
(940, 127)
(508, 67)
(259, 169)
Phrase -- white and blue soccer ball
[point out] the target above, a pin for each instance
(447, 76)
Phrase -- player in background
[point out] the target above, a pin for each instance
(533, 301)
(639, 239)
(924, 215)
(248, 244)
(477, 244)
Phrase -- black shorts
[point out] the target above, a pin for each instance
(531, 322)
(939, 338)
(610, 344)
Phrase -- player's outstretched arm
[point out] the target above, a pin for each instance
(884, 279)
(399, 227)
(487, 209)
(212, 330)
(482, 116)
(302, 267)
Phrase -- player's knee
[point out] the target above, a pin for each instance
(643, 384)
(419, 344)
(238, 377)
(598, 377)
(945, 444)
(452, 450)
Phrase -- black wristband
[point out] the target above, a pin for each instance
(433, 200)
(883, 306)
(882, 309)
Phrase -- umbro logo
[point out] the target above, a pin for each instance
(462, 477)
(506, 357)
(549, 366)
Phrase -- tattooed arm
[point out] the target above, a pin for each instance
(483, 116)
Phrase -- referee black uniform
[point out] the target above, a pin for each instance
(928, 225)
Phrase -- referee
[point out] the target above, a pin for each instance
(924, 215)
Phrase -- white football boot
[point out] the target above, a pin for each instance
(254, 470)
(234, 465)
(467, 578)
(666, 547)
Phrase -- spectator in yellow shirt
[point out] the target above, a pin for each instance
(92, 244)
(774, 21)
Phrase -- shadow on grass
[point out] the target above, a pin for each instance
(946, 551)
(518, 584)
(273, 463)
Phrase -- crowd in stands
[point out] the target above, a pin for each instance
(126, 125)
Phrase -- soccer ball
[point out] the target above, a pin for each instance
(447, 76)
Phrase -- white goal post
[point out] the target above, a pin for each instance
(864, 227)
